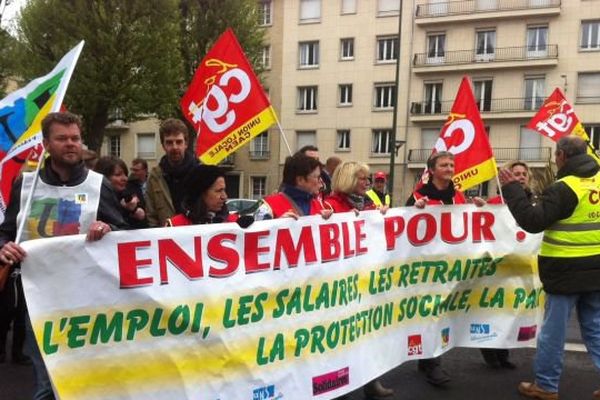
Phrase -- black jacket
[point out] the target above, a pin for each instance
(558, 201)
(109, 209)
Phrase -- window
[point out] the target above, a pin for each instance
(433, 98)
(382, 141)
(308, 54)
(588, 87)
(534, 92)
(266, 57)
(590, 35)
(345, 92)
(530, 145)
(485, 43)
(146, 145)
(387, 49)
(388, 7)
(347, 49)
(483, 94)
(114, 146)
(259, 187)
(385, 96)
(307, 98)
(428, 138)
(310, 10)
(343, 140)
(260, 146)
(305, 138)
(264, 12)
(436, 43)
(348, 6)
(537, 41)
(593, 132)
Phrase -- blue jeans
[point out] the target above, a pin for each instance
(551, 340)
(43, 386)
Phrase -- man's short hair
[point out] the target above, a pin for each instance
(571, 146)
(435, 156)
(140, 161)
(173, 126)
(298, 165)
(62, 118)
(308, 147)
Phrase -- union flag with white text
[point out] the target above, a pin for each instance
(464, 135)
(225, 101)
(556, 119)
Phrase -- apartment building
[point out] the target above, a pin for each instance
(331, 67)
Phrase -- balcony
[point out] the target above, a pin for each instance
(502, 57)
(260, 154)
(516, 107)
(417, 158)
(228, 162)
(433, 12)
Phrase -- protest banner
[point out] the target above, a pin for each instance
(225, 101)
(21, 115)
(302, 309)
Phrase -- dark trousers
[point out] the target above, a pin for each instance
(13, 310)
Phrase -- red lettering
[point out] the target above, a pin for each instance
(218, 252)
(252, 251)
(330, 242)
(482, 226)
(284, 244)
(360, 236)
(129, 264)
(393, 227)
(412, 229)
(594, 197)
(446, 231)
(170, 251)
(348, 251)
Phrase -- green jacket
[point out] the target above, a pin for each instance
(159, 206)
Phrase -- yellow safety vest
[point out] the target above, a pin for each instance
(376, 200)
(579, 234)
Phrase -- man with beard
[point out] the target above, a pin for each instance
(164, 189)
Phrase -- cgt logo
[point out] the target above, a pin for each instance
(482, 332)
(330, 381)
(415, 345)
(527, 333)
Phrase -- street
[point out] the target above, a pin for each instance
(471, 378)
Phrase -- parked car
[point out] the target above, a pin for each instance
(242, 206)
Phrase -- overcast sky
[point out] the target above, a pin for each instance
(10, 13)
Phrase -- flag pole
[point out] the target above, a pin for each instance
(285, 141)
(500, 189)
(30, 196)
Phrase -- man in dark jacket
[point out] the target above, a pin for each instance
(68, 199)
(568, 212)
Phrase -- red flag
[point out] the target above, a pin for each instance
(464, 135)
(225, 101)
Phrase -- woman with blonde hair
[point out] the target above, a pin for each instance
(349, 186)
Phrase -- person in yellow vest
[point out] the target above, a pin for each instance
(377, 193)
(568, 212)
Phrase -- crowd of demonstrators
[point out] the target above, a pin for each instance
(568, 261)
(329, 168)
(378, 192)
(521, 172)
(164, 189)
(138, 178)
(313, 152)
(62, 180)
(132, 206)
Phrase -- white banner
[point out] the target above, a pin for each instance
(283, 309)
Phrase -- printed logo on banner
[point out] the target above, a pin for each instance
(445, 337)
(415, 345)
(527, 333)
(330, 381)
(482, 333)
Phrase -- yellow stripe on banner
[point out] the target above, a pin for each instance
(475, 175)
(240, 137)
(36, 125)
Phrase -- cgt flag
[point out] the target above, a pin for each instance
(557, 118)
(21, 114)
(225, 101)
(464, 135)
